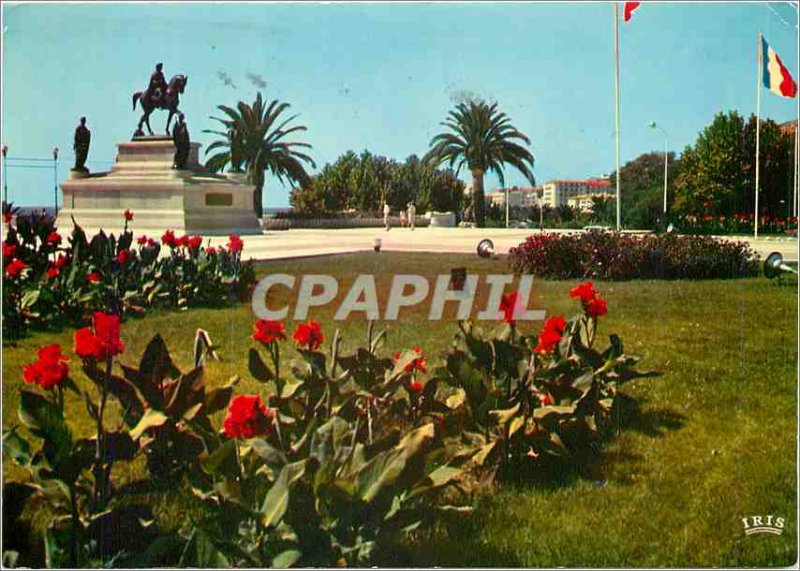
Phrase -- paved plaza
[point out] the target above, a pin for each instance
(276, 245)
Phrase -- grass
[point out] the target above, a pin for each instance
(711, 441)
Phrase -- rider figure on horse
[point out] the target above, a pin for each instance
(158, 84)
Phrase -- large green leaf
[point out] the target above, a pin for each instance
(258, 368)
(17, 447)
(151, 419)
(201, 552)
(276, 502)
(45, 420)
(286, 559)
(385, 468)
(221, 461)
(217, 399)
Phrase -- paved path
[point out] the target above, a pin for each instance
(275, 245)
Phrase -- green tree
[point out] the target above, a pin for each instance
(362, 182)
(254, 136)
(642, 189)
(481, 137)
(718, 172)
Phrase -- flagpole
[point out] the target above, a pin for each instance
(616, 108)
(760, 65)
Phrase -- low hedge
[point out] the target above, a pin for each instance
(617, 256)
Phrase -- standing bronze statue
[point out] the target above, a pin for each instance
(83, 137)
(159, 95)
(180, 136)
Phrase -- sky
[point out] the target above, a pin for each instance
(383, 76)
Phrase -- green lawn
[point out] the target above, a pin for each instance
(713, 440)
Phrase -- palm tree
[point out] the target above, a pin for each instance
(482, 137)
(254, 139)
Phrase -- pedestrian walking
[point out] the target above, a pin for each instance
(412, 214)
(386, 212)
(403, 218)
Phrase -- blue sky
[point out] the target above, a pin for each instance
(382, 76)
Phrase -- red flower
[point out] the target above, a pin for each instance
(268, 331)
(247, 417)
(509, 307)
(52, 272)
(546, 399)
(50, 370)
(168, 239)
(128, 215)
(551, 334)
(123, 256)
(210, 251)
(194, 242)
(54, 238)
(9, 249)
(585, 291)
(418, 363)
(142, 240)
(61, 261)
(8, 217)
(15, 268)
(596, 307)
(235, 244)
(415, 386)
(309, 335)
(93, 277)
(101, 342)
(182, 241)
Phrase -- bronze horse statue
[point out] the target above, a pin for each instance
(169, 100)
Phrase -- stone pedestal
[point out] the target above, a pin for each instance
(142, 180)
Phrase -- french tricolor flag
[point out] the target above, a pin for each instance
(776, 77)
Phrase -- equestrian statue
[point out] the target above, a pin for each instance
(159, 95)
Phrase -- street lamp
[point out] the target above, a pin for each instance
(5, 174)
(55, 179)
(653, 125)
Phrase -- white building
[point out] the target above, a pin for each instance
(585, 202)
(558, 192)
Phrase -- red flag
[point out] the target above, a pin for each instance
(629, 8)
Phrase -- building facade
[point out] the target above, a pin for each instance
(558, 192)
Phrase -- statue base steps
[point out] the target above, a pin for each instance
(142, 180)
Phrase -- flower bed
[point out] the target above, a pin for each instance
(336, 457)
(47, 282)
(620, 256)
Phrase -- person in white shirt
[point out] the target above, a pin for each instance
(412, 213)
(386, 212)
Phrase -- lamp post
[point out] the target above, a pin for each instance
(55, 179)
(653, 125)
(5, 174)
(507, 203)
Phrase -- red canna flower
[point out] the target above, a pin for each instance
(545, 399)
(268, 331)
(142, 240)
(418, 363)
(584, 291)
(9, 249)
(309, 336)
(596, 307)
(101, 342)
(182, 241)
(551, 334)
(128, 215)
(15, 268)
(168, 239)
(93, 277)
(123, 256)
(52, 272)
(54, 238)
(210, 251)
(61, 261)
(415, 386)
(7, 217)
(194, 242)
(511, 307)
(50, 370)
(247, 417)
(235, 244)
